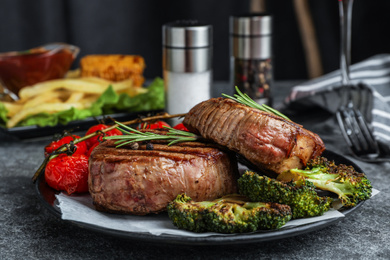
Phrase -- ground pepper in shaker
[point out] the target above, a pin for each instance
(187, 58)
(251, 55)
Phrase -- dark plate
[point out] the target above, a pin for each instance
(26, 132)
(47, 197)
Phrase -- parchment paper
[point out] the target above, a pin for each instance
(80, 208)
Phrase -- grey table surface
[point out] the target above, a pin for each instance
(28, 230)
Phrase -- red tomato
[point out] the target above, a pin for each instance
(98, 138)
(156, 125)
(180, 127)
(68, 173)
(81, 147)
(88, 154)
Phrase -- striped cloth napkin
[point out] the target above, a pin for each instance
(371, 93)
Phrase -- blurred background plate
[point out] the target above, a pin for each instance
(26, 132)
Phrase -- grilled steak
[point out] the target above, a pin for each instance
(269, 142)
(142, 181)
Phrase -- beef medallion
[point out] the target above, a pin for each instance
(142, 179)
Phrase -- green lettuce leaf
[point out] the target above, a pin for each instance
(108, 103)
(3, 115)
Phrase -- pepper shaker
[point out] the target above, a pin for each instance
(251, 55)
(187, 58)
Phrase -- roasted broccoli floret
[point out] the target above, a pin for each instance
(350, 185)
(187, 215)
(299, 195)
(229, 214)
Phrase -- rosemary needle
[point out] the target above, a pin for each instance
(133, 135)
(246, 100)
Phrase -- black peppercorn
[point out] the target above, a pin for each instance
(254, 78)
(149, 146)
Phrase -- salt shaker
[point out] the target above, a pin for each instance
(251, 55)
(187, 69)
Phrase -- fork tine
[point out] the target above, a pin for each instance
(347, 127)
(364, 145)
(372, 145)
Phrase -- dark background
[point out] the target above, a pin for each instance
(134, 27)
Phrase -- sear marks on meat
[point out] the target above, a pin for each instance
(269, 142)
(144, 180)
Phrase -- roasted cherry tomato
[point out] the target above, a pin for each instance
(81, 147)
(98, 138)
(68, 173)
(180, 127)
(157, 125)
(88, 154)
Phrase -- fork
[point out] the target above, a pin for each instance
(355, 129)
(358, 135)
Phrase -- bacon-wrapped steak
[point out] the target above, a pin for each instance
(269, 142)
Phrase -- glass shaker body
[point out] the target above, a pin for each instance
(251, 56)
(187, 57)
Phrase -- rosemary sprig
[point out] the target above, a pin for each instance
(64, 149)
(132, 135)
(244, 99)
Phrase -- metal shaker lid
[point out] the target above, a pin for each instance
(187, 46)
(254, 24)
(251, 36)
(187, 34)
